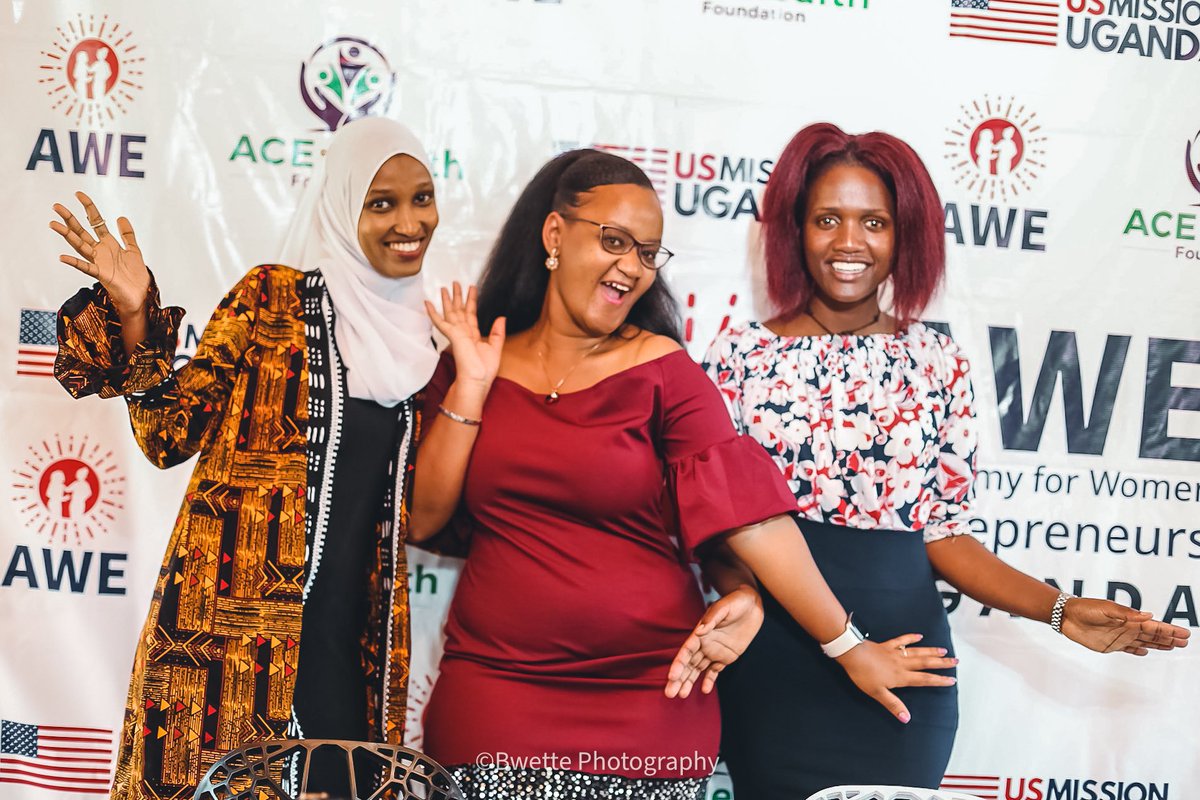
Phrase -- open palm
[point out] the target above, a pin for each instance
(1108, 627)
(117, 264)
(720, 638)
(476, 359)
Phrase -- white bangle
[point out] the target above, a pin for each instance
(849, 639)
(1056, 615)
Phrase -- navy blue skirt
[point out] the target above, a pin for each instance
(794, 723)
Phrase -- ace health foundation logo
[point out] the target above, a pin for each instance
(1168, 231)
(344, 79)
(92, 73)
(779, 11)
(68, 491)
(996, 152)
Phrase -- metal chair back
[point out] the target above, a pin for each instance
(279, 770)
(887, 793)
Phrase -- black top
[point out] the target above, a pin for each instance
(331, 688)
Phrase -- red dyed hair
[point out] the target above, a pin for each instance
(920, 249)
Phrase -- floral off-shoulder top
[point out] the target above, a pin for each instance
(874, 432)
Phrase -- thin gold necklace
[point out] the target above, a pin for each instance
(820, 324)
(552, 398)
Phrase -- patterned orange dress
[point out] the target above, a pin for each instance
(261, 402)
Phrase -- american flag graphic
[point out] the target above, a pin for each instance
(652, 160)
(37, 343)
(76, 760)
(986, 787)
(1024, 21)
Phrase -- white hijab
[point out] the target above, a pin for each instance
(383, 333)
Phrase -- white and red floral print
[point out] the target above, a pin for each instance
(874, 432)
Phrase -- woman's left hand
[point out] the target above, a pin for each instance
(724, 633)
(1108, 627)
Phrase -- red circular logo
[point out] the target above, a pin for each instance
(996, 147)
(92, 69)
(69, 489)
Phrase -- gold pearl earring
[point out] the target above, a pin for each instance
(552, 260)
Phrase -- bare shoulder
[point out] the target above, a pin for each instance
(650, 346)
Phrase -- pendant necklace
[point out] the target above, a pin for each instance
(552, 398)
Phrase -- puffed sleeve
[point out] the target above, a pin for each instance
(455, 538)
(174, 413)
(718, 479)
(91, 355)
(958, 440)
(723, 363)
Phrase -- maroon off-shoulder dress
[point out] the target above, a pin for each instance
(577, 590)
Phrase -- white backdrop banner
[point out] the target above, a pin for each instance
(1064, 136)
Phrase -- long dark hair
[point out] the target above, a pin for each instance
(515, 278)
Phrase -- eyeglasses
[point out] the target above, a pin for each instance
(619, 241)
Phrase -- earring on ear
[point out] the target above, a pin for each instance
(552, 260)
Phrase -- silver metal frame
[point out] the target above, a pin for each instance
(887, 793)
(279, 769)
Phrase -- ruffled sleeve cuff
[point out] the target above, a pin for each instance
(726, 486)
(935, 531)
(91, 355)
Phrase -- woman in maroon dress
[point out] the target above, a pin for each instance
(571, 456)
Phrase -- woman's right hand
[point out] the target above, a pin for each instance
(120, 270)
(876, 669)
(476, 360)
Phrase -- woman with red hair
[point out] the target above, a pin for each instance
(870, 416)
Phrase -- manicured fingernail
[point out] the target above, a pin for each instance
(905, 717)
(941, 651)
(953, 681)
(955, 660)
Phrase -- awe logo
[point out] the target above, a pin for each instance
(68, 492)
(91, 73)
(995, 151)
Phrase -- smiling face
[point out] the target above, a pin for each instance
(591, 288)
(849, 235)
(398, 217)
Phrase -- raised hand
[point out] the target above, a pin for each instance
(120, 269)
(1108, 627)
(876, 669)
(723, 634)
(476, 360)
